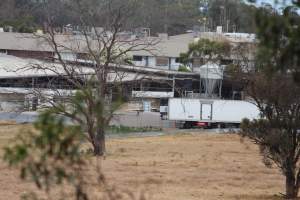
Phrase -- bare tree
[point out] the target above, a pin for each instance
(94, 66)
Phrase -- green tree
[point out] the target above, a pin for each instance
(171, 16)
(279, 41)
(50, 155)
(274, 88)
(183, 68)
(24, 25)
(207, 50)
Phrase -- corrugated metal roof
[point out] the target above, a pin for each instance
(170, 46)
(14, 67)
(22, 41)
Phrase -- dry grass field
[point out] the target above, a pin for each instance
(182, 167)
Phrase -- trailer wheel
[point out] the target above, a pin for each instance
(188, 125)
(223, 125)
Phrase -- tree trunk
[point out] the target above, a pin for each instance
(99, 143)
(291, 186)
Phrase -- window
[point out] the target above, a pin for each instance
(177, 60)
(137, 58)
(162, 61)
(164, 102)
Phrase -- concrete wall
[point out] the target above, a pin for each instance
(11, 102)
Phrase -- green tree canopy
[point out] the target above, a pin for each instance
(274, 88)
(206, 49)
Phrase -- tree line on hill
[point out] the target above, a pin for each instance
(169, 16)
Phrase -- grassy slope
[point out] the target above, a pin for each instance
(206, 166)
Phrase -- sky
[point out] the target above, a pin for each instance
(278, 4)
(272, 2)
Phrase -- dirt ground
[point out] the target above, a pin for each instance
(183, 167)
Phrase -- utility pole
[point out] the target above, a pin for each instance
(227, 26)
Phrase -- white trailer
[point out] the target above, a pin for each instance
(210, 112)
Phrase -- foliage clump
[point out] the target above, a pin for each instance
(275, 90)
(50, 155)
(183, 68)
(207, 50)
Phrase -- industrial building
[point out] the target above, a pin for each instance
(152, 77)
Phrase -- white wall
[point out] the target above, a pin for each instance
(67, 56)
(149, 94)
(230, 111)
(142, 63)
(184, 109)
(174, 65)
(152, 63)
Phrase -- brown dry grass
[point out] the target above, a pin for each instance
(182, 167)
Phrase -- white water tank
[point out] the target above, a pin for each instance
(211, 71)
